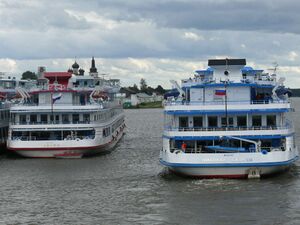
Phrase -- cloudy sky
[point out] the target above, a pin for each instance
(156, 40)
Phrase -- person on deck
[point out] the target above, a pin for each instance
(183, 146)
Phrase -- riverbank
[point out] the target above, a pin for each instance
(146, 105)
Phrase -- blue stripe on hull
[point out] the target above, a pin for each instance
(194, 138)
(266, 164)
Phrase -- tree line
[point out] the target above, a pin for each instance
(143, 88)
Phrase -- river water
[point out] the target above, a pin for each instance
(129, 186)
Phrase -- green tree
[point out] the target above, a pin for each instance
(135, 88)
(143, 85)
(28, 75)
(160, 90)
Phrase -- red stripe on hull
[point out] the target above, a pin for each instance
(227, 176)
(57, 149)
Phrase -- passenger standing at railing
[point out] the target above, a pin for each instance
(183, 146)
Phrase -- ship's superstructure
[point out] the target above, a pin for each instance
(66, 115)
(228, 121)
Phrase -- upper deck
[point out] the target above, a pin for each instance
(65, 92)
(196, 107)
(229, 84)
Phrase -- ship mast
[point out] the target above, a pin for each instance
(226, 73)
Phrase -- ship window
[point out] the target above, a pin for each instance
(13, 118)
(241, 121)
(44, 118)
(86, 117)
(33, 118)
(212, 121)
(22, 119)
(224, 123)
(65, 118)
(75, 118)
(271, 120)
(183, 121)
(256, 121)
(106, 132)
(198, 121)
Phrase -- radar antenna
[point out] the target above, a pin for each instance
(275, 64)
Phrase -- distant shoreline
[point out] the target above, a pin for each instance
(147, 105)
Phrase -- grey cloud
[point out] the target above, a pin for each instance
(39, 16)
(268, 15)
(150, 29)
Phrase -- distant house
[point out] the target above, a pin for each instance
(143, 97)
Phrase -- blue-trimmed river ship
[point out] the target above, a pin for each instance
(228, 121)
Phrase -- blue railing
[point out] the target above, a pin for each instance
(229, 128)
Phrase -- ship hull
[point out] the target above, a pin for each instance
(228, 172)
(224, 165)
(68, 151)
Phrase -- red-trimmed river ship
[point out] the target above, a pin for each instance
(66, 116)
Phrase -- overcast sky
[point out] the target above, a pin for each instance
(156, 40)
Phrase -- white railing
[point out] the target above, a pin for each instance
(183, 102)
(201, 150)
(187, 129)
(34, 138)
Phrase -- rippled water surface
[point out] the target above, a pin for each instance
(128, 186)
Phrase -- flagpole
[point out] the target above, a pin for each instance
(52, 116)
(226, 112)
(226, 82)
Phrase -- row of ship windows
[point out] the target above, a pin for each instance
(46, 118)
(59, 135)
(59, 118)
(193, 146)
(62, 134)
(53, 135)
(108, 130)
(117, 124)
(240, 121)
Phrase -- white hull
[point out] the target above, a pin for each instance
(83, 147)
(228, 165)
(55, 152)
(227, 172)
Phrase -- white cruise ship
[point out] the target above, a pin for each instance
(228, 121)
(67, 115)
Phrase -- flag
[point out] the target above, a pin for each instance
(56, 97)
(220, 92)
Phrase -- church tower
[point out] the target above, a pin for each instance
(75, 68)
(93, 69)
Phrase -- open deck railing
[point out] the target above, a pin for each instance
(52, 122)
(241, 128)
(201, 150)
(60, 138)
(184, 102)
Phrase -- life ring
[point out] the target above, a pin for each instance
(177, 151)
